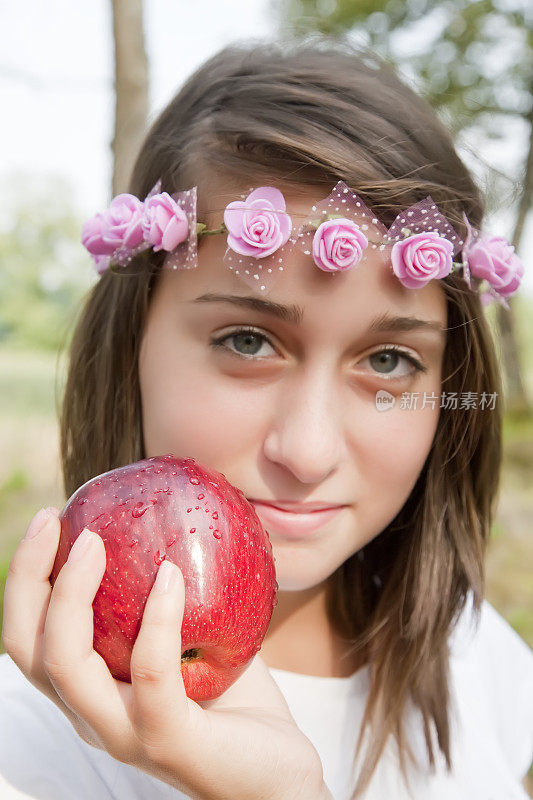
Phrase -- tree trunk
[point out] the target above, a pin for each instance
(131, 89)
(516, 400)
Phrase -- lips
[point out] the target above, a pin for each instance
(296, 508)
(293, 525)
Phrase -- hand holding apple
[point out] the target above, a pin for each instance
(176, 509)
(243, 745)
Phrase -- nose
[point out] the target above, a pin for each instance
(306, 435)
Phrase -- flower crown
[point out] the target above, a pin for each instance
(420, 244)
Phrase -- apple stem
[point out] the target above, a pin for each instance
(190, 655)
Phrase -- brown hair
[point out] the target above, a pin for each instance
(315, 113)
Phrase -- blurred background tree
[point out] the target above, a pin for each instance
(131, 89)
(473, 61)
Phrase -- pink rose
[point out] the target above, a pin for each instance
(494, 260)
(119, 226)
(420, 258)
(101, 263)
(338, 244)
(165, 223)
(258, 226)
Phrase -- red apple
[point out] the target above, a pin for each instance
(175, 508)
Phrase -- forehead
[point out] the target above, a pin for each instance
(356, 294)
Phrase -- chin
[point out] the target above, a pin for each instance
(296, 578)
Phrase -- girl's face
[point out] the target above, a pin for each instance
(289, 411)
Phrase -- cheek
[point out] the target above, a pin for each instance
(191, 410)
(392, 452)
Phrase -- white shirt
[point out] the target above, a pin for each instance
(41, 756)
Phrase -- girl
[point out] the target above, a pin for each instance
(292, 293)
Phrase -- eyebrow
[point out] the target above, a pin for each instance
(295, 313)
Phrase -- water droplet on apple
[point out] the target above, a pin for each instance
(217, 534)
(215, 514)
(82, 501)
(194, 481)
(159, 558)
(211, 527)
(133, 543)
(189, 510)
(139, 510)
(196, 507)
(200, 496)
(192, 530)
(98, 483)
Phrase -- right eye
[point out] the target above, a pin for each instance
(248, 340)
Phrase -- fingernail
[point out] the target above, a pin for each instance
(38, 523)
(81, 545)
(165, 578)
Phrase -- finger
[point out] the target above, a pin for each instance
(26, 598)
(27, 594)
(78, 673)
(159, 697)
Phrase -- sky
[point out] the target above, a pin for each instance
(56, 89)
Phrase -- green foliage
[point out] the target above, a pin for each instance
(518, 429)
(471, 58)
(17, 480)
(45, 271)
(521, 620)
(497, 530)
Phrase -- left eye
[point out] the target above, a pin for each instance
(249, 342)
